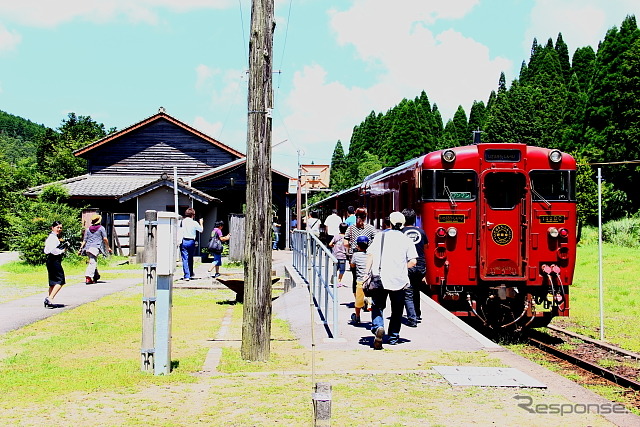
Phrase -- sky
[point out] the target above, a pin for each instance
(334, 61)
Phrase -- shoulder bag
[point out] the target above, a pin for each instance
(215, 245)
(373, 282)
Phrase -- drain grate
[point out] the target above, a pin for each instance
(487, 377)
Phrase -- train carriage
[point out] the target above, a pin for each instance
(501, 223)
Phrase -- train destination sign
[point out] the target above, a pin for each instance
(552, 219)
(451, 218)
(496, 155)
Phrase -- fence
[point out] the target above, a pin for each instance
(319, 269)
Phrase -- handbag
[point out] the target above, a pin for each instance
(373, 282)
(215, 245)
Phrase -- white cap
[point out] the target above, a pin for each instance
(396, 218)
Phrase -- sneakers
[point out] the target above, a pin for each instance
(377, 341)
(216, 275)
(47, 303)
(87, 280)
(355, 319)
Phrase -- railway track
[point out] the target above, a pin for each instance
(622, 366)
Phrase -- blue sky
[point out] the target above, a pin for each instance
(118, 61)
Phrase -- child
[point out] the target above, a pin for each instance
(359, 264)
(339, 251)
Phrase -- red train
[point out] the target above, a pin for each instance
(501, 223)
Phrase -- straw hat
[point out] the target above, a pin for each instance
(96, 219)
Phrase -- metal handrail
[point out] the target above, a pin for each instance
(319, 268)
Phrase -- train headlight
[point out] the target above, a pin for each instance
(555, 156)
(452, 232)
(564, 233)
(441, 232)
(553, 232)
(448, 156)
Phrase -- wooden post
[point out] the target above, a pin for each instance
(256, 324)
(149, 291)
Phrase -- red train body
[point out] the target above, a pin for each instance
(501, 223)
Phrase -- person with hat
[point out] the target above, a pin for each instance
(359, 265)
(189, 227)
(94, 243)
(394, 253)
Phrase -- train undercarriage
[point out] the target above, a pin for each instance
(507, 306)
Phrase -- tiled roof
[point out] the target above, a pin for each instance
(117, 186)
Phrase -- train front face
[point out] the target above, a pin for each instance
(501, 222)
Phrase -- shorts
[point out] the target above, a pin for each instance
(342, 265)
(217, 259)
(359, 296)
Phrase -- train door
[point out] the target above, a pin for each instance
(502, 226)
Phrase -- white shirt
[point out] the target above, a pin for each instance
(51, 245)
(398, 250)
(189, 228)
(332, 222)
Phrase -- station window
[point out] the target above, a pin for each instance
(449, 185)
(553, 185)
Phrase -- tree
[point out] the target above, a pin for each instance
(582, 66)
(563, 56)
(54, 151)
(31, 222)
(339, 171)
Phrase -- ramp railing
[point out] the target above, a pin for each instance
(319, 268)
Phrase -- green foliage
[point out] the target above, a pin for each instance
(623, 232)
(615, 203)
(55, 149)
(31, 224)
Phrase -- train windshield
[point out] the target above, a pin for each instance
(448, 185)
(553, 185)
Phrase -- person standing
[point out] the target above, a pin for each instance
(313, 223)
(393, 253)
(332, 224)
(54, 247)
(339, 251)
(359, 264)
(351, 216)
(360, 228)
(92, 245)
(188, 244)
(217, 256)
(416, 273)
(275, 227)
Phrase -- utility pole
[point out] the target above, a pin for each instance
(256, 322)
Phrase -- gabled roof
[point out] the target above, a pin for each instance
(228, 167)
(120, 187)
(162, 115)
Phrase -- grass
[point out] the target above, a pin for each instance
(621, 271)
(82, 367)
(19, 280)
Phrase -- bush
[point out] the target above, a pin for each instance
(623, 232)
(31, 225)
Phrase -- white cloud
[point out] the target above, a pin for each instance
(8, 39)
(40, 13)
(581, 22)
(206, 127)
(451, 68)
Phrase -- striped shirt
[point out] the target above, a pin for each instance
(353, 232)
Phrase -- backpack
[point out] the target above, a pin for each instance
(215, 245)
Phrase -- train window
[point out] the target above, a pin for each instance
(449, 185)
(553, 185)
(503, 190)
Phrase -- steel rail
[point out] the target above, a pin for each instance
(598, 343)
(586, 365)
